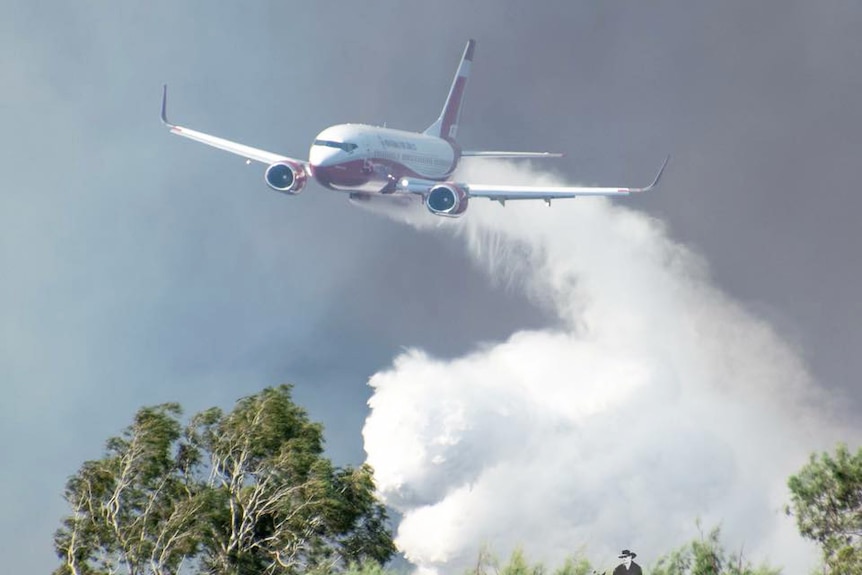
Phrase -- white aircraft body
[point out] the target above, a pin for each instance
(370, 161)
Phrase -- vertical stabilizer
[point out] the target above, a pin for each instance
(446, 125)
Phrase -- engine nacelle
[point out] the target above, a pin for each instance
(286, 177)
(447, 200)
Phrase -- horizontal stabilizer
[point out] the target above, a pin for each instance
(495, 154)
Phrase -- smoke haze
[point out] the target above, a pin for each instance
(655, 400)
(138, 268)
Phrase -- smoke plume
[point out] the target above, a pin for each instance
(655, 400)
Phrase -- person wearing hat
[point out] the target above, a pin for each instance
(628, 566)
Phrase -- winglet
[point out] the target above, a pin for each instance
(165, 107)
(657, 177)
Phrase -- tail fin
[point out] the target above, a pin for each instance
(446, 125)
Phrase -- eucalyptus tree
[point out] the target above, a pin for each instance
(248, 491)
(826, 499)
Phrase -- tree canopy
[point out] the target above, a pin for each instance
(706, 555)
(703, 555)
(826, 499)
(247, 491)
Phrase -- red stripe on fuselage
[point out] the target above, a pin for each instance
(363, 175)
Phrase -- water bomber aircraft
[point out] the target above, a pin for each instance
(370, 162)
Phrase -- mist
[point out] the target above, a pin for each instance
(653, 401)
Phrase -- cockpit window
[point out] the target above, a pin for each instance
(346, 146)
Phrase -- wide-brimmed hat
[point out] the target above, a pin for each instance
(627, 553)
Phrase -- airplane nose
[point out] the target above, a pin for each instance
(322, 156)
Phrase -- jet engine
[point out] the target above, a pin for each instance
(447, 200)
(286, 177)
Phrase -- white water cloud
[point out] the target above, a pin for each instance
(654, 401)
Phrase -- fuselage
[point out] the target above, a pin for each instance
(360, 158)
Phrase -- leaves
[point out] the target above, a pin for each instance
(707, 556)
(247, 491)
(826, 499)
(518, 564)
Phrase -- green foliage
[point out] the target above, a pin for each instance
(574, 566)
(518, 564)
(826, 499)
(130, 508)
(243, 492)
(367, 568)
(707, 556)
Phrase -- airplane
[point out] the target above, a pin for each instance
(372, 162)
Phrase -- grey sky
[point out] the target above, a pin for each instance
(137, 268)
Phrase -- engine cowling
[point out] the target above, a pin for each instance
(286, 177)
(447, 200)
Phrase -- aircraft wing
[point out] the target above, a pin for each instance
(246, 152)
(502, 193)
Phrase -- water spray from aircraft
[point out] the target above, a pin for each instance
(656, 400)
